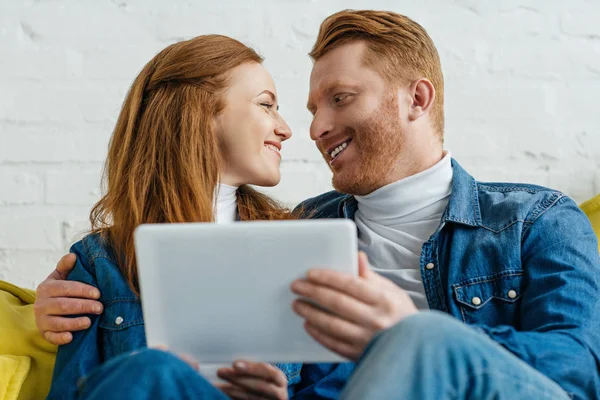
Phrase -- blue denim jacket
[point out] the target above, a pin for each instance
(494, 239)
(518, 262)
(120, 330)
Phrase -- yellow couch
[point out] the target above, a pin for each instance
(592, 209)
(26, 359)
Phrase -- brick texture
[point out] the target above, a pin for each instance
(522, 95)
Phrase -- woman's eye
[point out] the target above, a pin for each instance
(267, 105)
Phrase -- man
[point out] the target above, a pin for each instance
(516, 265)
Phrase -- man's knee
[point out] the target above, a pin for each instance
(430, 324)
(432, 330)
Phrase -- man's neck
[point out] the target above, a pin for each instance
(411, 198)
(417, 162)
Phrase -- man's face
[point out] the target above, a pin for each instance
(357, 123)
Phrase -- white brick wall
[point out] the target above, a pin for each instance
(522, 95)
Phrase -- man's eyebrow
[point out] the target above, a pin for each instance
(310, 105)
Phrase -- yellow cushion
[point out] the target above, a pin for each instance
(592, 209)
(13, 371)
(26, 358)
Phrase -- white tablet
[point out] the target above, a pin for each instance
(222, 292)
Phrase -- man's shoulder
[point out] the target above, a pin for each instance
(325, 205)
(504, 203)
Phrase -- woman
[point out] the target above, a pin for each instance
(199, 124)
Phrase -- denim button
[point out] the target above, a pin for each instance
(430, 266)
(119, 321)
(512, 294)
(476, 301)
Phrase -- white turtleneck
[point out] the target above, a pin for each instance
(394, 221)
(225, 212)
(225, 204)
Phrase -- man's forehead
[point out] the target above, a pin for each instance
(343, 62)
(331, 77)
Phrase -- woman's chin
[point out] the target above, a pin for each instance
(268, 181)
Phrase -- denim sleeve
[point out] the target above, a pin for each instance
(559, 333)
(321, 381)
(78, 358)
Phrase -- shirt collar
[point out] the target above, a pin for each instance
(463, 206)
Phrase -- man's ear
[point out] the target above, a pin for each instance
(422, 94)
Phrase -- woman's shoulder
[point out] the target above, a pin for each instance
(93, 252)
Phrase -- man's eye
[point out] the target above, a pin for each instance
(338, 98)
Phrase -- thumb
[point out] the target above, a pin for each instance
(63, 268)
(365, 271)
(363, 265)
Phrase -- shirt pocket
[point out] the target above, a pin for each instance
(491, 300)
(122, 327)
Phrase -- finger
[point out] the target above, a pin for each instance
(68, 306)
(261, 370)
(238, 394)
(58, 338)
(341, 348)
(232, 391)
(332, 325)
(64, 267)
(252, 384)
(64, 324)
(61, 288)
(351, 285)
(337, 302)
(363, 265)
(365, 272)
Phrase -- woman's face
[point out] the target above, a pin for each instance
(250, 130)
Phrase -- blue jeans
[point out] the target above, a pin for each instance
(429, 355)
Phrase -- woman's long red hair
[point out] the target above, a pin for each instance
(163, 160)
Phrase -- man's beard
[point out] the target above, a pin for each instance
(378, 142)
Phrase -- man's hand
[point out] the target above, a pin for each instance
(253, 381)
(57, 297)
(360, 307)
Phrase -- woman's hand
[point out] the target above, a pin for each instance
(248, 380)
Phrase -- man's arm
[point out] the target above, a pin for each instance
(85, 351)
(560, 310)
(57, 298)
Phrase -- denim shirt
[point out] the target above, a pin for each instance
(519, 263)
(528, 254)
(120, 330)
